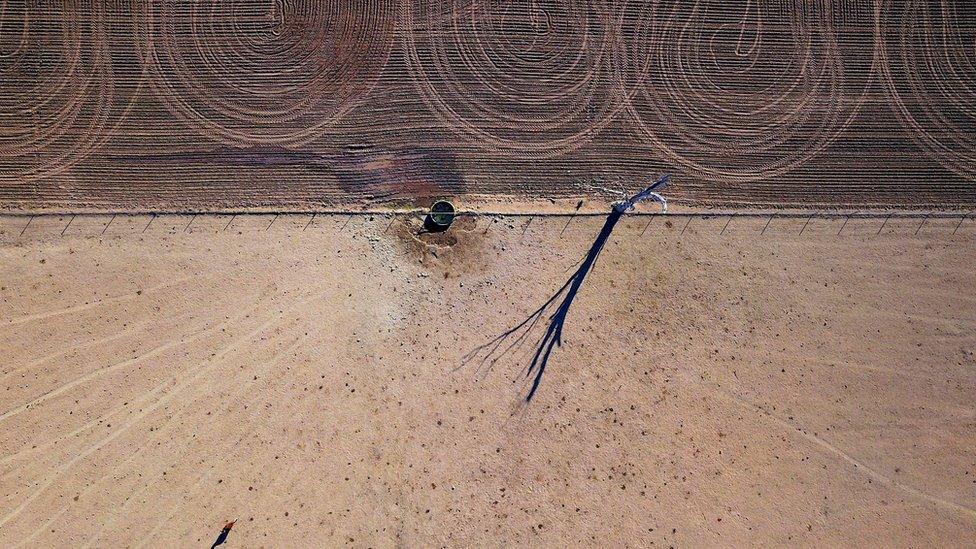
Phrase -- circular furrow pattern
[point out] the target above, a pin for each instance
(521, 77)
(67, 79)
(929, 53)
(272, 72)
(742, 91)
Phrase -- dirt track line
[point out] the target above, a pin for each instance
(140, 416)
(211, 329)
(75, 348)
(85, 306)
(847, 364)
(118, 511)
(242, 388)
(99, 372)
(33, 535)
(195, 336)
(859, 465)
(144, 397)
(167, 518)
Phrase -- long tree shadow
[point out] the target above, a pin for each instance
(515, 337)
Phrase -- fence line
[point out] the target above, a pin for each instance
(24, 224)
(779, 214)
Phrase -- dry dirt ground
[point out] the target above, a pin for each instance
(715, 388)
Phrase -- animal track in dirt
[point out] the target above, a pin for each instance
(457, 250)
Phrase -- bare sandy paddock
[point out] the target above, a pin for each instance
(717, 386)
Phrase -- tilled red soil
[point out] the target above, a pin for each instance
(160, 104)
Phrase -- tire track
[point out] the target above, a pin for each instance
(198, 335)
(86, 306)
(858, 465)
(155, 351)
(60, 99)
(242, 388)
(763, 103)
(72, 350)
(226, 80)
(741, 94)
(929, 63)
(39, 448)
(168, 396)
(479, 71)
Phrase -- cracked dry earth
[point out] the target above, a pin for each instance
(714, 388)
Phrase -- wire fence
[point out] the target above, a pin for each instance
(920, 223)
